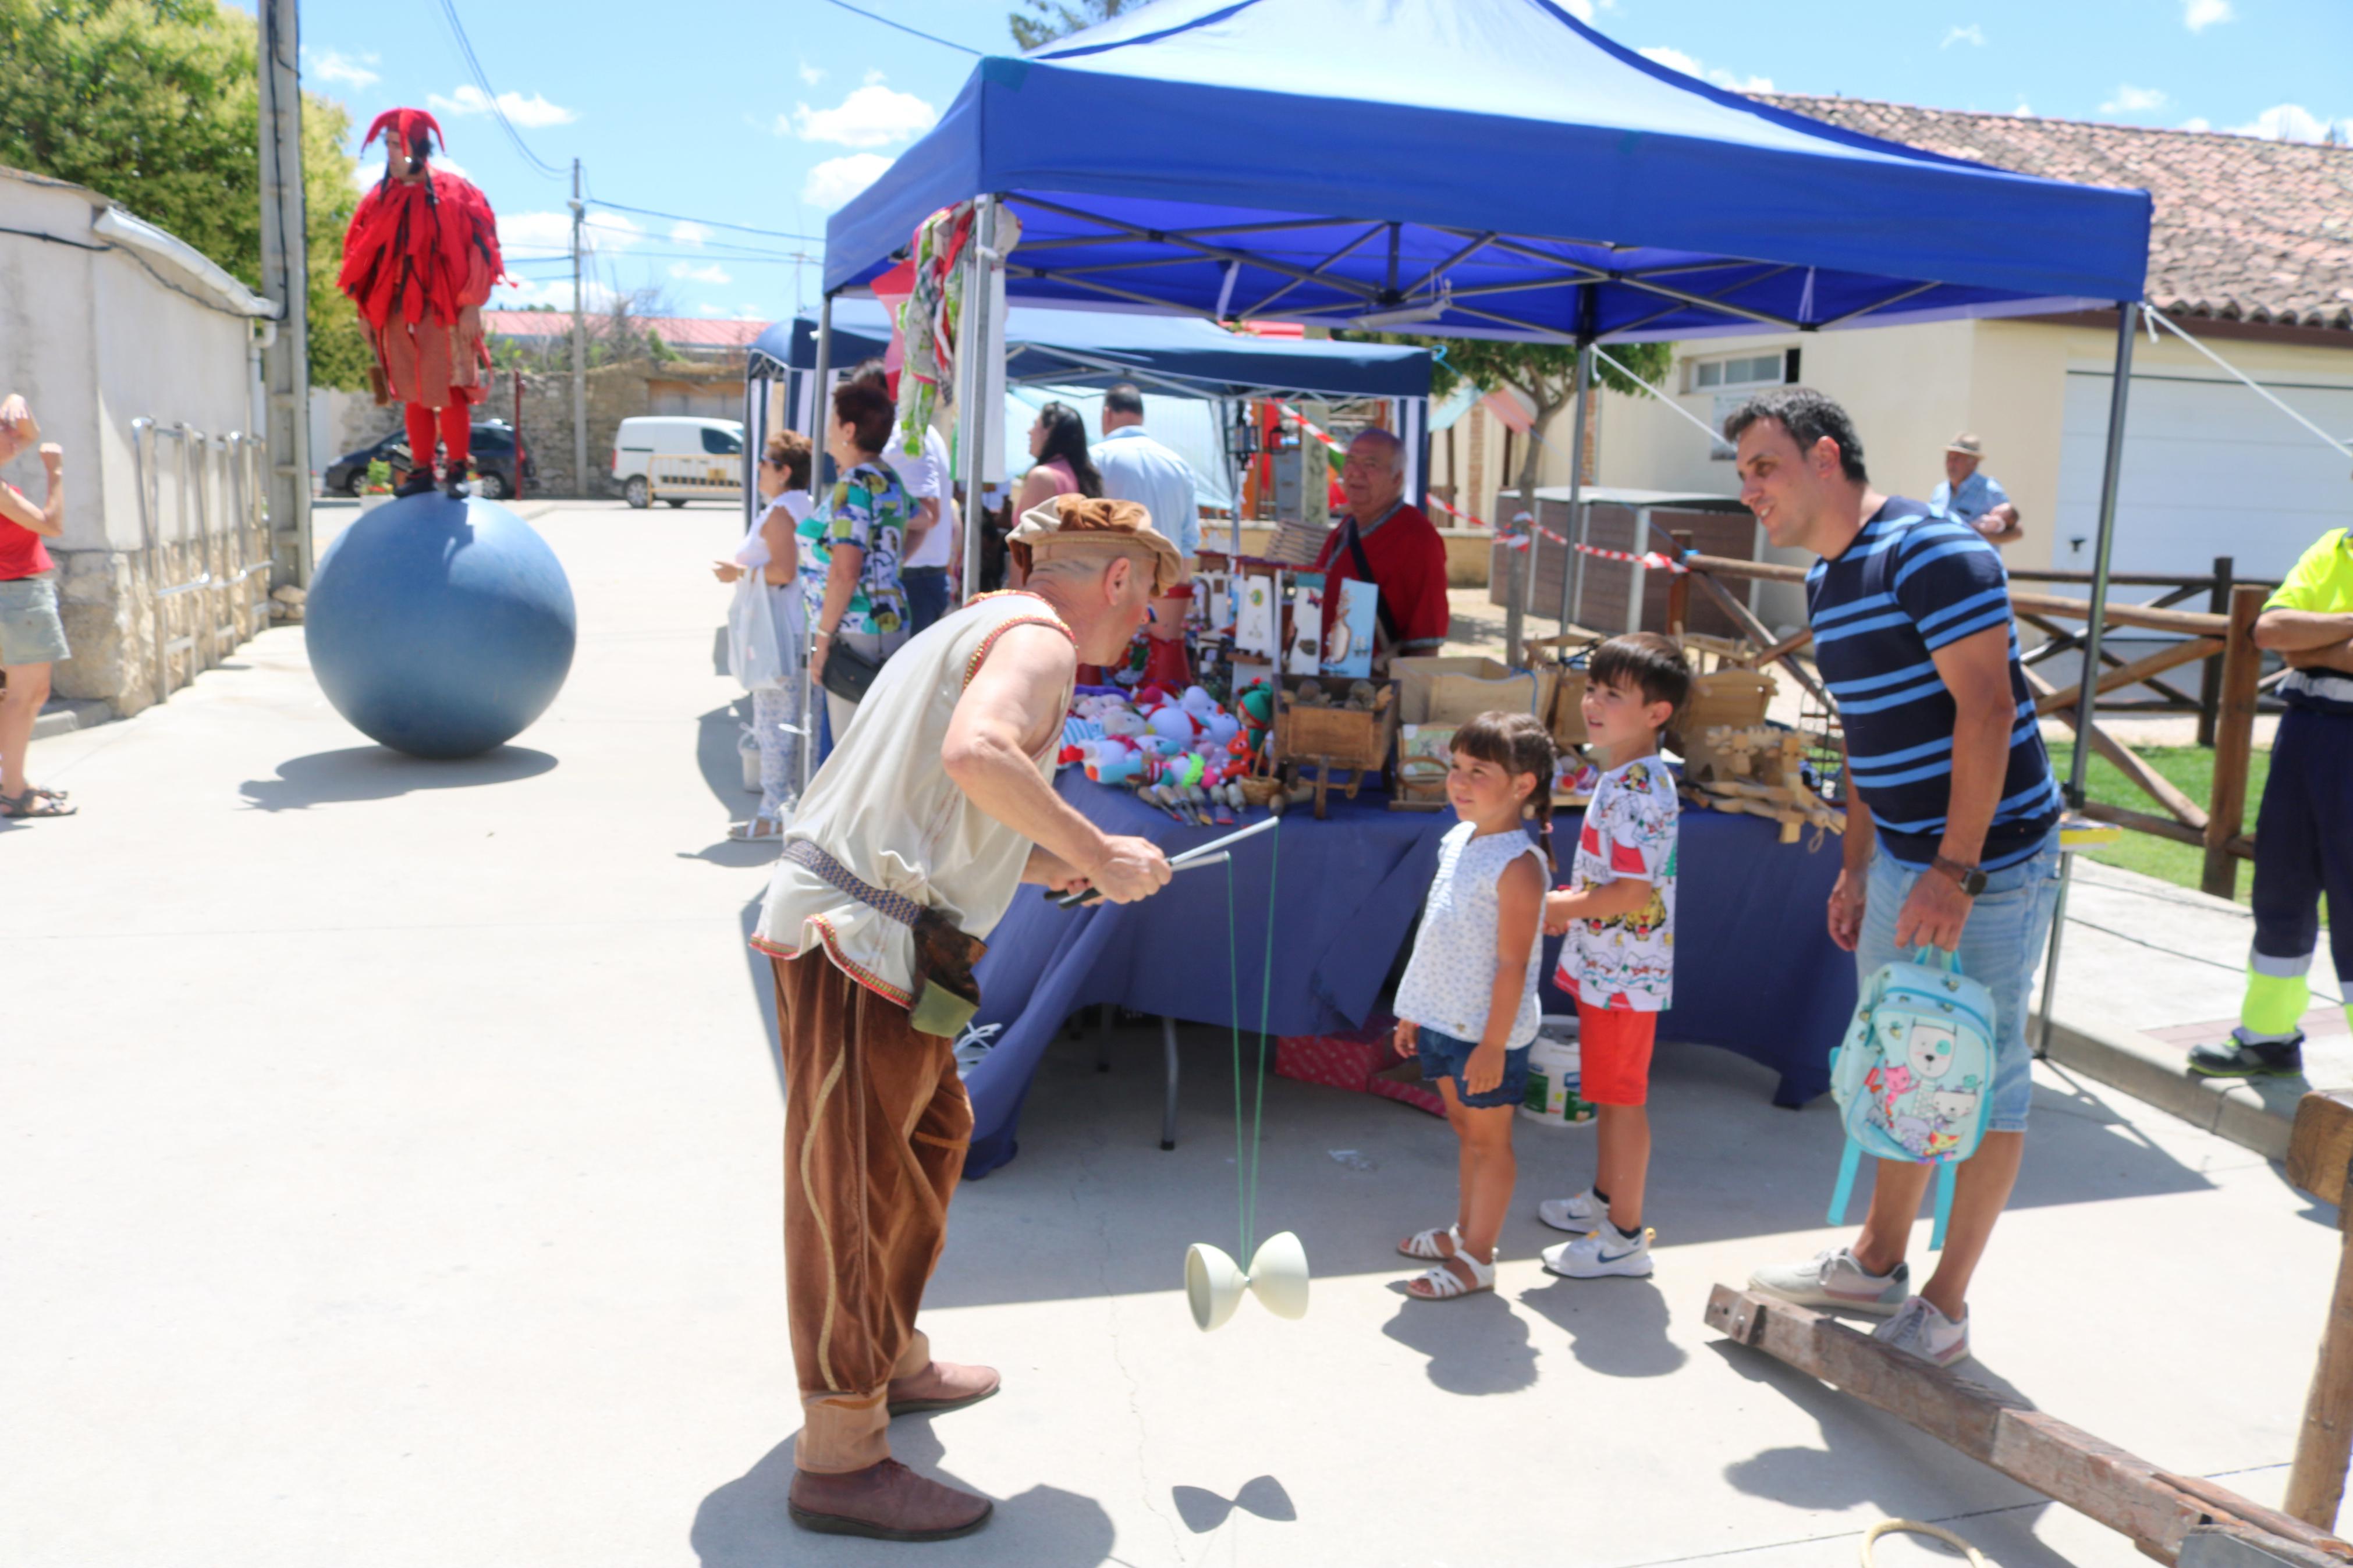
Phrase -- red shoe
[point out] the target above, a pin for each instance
(942, 1385)
(887, 1502)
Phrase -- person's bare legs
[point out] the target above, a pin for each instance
(1486, 1170)
(1980, 1191)
(1623, 1162)
(21, 704)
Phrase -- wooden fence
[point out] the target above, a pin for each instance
(2225, 641)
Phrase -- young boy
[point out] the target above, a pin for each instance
(1619, 914)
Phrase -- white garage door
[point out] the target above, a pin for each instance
(2209, 469)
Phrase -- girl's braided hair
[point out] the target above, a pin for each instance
(1518, 744)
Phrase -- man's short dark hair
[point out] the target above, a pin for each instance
(1808, 416)
(1124, 399)
(1652, 664)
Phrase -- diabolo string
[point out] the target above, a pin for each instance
(1245, 1163)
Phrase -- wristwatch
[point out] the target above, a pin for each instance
(1970, 880)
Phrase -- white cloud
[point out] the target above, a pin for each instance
(689, 232)
(836, 180)
(874, 76)
(871, 116)
(1972, 34)
(2131, 99)
(2025, 110)
(2197, 122)
(1675, 60)
(811, 75)
(333, 65)
(686, 271)
(732, 313)
(531, 113)
(1580, 9)
(2292, 122)
(2199, 14)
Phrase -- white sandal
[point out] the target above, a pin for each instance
(758, 830)
(1425, 1245)
(1445, 1284)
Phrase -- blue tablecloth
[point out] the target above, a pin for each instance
(1755, 969)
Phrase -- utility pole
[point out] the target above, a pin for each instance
(286, 280)
(579, 348)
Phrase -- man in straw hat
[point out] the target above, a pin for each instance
(1977, 499)
(909, 847)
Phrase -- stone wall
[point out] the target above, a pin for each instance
(105, 598)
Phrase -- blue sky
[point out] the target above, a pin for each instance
(770, 116)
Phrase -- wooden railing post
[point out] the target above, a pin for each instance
(2210, 691)
(1679, 590)
(2234, 739)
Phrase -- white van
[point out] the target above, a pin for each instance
(677, 457)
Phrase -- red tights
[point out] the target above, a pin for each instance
(456, 432)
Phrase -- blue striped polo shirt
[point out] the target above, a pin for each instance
(1910, 583)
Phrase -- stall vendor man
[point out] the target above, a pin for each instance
(1969, 494)
(1387, 541)
(934, 806)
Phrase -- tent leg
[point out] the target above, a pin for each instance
(1572, 560)
(972, 384)
(2128, 323)
(821, 407)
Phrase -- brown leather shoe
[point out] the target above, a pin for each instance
(942, 1385)
(888, 1502)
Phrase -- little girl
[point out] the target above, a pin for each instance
(1468, 1002)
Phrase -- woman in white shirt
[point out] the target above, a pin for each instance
(771, 549)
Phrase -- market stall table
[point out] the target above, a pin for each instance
(1755, 970)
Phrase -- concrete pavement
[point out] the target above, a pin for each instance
(393, 1179)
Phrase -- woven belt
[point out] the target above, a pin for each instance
(898, 906)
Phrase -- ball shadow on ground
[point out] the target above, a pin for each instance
(743, 1522)
(379, 772)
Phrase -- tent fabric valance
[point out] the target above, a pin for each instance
(1470, 168)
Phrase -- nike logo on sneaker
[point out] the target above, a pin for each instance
(1601, 1256)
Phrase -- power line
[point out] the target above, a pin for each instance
(490, 96)
(913, 32)
(595, 201)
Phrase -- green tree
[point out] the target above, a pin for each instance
(155, 105)
(1037, 23)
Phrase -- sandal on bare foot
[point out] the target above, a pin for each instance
(35, 802)
(1433, 1245)
(1441, 1283)
(759, 830)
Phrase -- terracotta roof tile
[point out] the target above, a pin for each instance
(2245, 228)
(678, 331)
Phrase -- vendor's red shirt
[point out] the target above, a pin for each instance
(22, 553)
(1409, 563)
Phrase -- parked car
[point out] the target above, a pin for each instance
(494, 463)
(677, 457)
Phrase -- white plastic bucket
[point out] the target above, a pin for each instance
(1555, 1074)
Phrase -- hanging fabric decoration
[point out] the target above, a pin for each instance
(925, 321)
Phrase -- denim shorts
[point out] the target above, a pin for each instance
(2001, 947)
(1444, 1056)
(31, 629)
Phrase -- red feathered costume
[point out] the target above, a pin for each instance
(419, 260)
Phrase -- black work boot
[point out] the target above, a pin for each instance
(418, 482)
(2242, 1058)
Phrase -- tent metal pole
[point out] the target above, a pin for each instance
(973, 382)
(821, 420)
(1572, 563)
(2087, 700)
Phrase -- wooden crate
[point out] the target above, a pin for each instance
(1735, 698)
(1332, 740)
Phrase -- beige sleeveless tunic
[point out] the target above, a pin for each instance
(884, 808)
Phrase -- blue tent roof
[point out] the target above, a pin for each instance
(1162, 353)
(1492, 167)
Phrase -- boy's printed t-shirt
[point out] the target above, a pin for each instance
(1630, 831)
(1909, 585)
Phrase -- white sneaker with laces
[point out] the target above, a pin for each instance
(1603, 1253)
(1834, 1279)
(1579, 1215)
(1918, 1328)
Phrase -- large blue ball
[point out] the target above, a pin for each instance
(440, 628)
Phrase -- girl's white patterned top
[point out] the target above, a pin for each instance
(1450, 982)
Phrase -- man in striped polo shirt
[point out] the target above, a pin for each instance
(1952, 837)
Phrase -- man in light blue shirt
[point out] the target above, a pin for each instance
(1974, 498)
(1136, 467)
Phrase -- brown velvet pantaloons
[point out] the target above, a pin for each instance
(876, 1124)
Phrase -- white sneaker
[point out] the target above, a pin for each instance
(1599, 1255)
(1579, 1215)
(1834, 1280)
(1918, 1328)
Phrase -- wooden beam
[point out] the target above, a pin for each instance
(2140, 670)
(2154, 785)
(2319, 1148)
(1756, 631)
(2235, 744)
(2144, 822)
(2190, 623)
(2097, 1479)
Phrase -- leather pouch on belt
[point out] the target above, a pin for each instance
(947, 995)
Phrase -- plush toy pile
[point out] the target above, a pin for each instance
(1183, 752)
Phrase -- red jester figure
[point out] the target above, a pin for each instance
(419, 260)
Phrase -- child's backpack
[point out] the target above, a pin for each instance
(1914, 1077)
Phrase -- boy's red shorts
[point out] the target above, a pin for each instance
(1614, 1046)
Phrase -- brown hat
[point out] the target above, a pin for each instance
(1967, 444)
(1069, 525)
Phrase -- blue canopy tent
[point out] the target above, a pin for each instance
(1487, 168)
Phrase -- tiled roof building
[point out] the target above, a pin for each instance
(2245, 229)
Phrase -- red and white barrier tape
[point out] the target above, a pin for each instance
(1650, 558)
(1309, 425)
